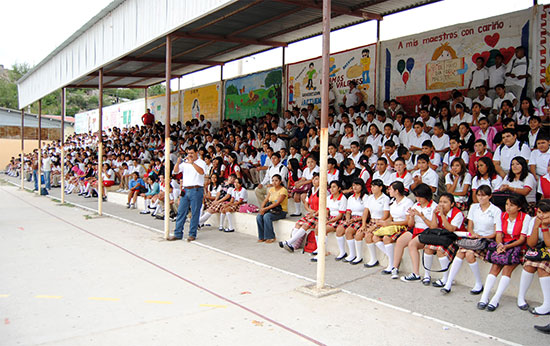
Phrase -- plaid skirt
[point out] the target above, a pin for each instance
(450, 251)
(233, 208)
(218, 207)
(397, 234)
(309, 220)
(477, 253)
(355, 223)
(544, 265)
(207, 204)
(335, 223)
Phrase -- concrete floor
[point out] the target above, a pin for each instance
(70, 277)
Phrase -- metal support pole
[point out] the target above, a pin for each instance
(62, 145)
(221, 73)
(378, 86)
(146, 94)
(283, 83)
(100, 148)
(180, 104)
(324, 149)
(22, 148)
(39, 173)
(167, 144)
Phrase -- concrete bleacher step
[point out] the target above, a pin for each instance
(246, 224)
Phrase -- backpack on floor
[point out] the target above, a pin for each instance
(311, 244)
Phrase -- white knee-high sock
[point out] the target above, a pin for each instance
(146, 203)
(372, 253)
(428, 261)
(455, 268)
(489, 283)
(381, 247)
(477, 274)
(341, 245)
(158, 209)
(545, 286)
(351, 247)
(154, 204)
(298, 206)
(296, 234)
(358, 250)
(524, 283)
(444, 262)
(229, 220)
(389, 253)
(502, 285)
(222, 216)
(205, 217)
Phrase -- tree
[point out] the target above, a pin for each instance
(155, 90)
(274, 78)
(232, 90)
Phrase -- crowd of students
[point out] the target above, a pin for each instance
(478, 168)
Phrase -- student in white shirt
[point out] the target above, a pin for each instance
(440, 139)
(486, 175)
(517, 72)
(458, 182)
(378, 208)
(424, 174)
(419, 136)
(401, 174)
(420, 216)
(374, 137)
(520, 181)
(335, 154)
(392, 228)
(484, 101)
(540, 157)
(348, 138)
(454, 152)
(511, 232)
(497, 74)
(382, 172)
(460, 117)
(407, 132)
(510, 148)
(482, 220)
(239, 196)
(478, 77)
(502, 95)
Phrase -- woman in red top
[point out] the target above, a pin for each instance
(309, 221)
(511, 232)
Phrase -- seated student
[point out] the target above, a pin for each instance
(510, 148)
(355, 153)
(382, 172)
(538, 162)
(458, 182)
(480, 150)
(309, 221)
(483, 102)
(390, 229)
(153, 189)
(390, 153)
(535, 124)
(486, 132)
(295, 186)
(332, 170)
(424, 174)
(544, 184)
(348, 173)
(482, 221)
(454, 152)
(333, 153)
(276, 196)
(222, 197)
(466, 137)
(447, 216)
(440, 139)
(512, 229)
(346, 231)
(537, 236)
(420, 214)
(336, 207)
(388, 135)
(361, 129)
(460, 117)
(520, 181)
(239, 196)
(408, 156)
(377, 209)
(401, 174)
(418, 138)
(428, 121)
(435, 158)
(486, 175)
(369, 153)
(348, 138)
(374, 137)
(137, 187)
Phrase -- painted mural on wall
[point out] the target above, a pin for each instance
(541, 73)
(304, 78)
(202, 100)
(157, 104)
(440, 60)
(253, 95)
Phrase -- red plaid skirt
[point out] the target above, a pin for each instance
(477, 253)
(355, 223)
(336, 223)
(450, 251)
(218, 207)
(309, 220)
(544, 265)
(233, 208)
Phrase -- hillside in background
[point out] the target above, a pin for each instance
(78, 100)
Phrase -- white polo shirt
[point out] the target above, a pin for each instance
(339, 157)
(405, 137)
(386, 177)
(417, 141)
(406, 179)
(427, 211)
(505, 154)
(399, 211)
(478, 77)
(279, 169)
(484, 221)
(529, 182)
(429, 177)
(498, 101)
(440, 143)
(540, 160)
(240, 195)
(496, 75)
(377, 206)
(347, 140)
(356, 205)
(190, 175)
(457, 120)
(459, 186)
(487, 102)
(494, 183)
(448, 158)
(336, 206)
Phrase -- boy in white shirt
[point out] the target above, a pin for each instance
(419, 136)
(440, 139)
(538, 162)
(425, 174)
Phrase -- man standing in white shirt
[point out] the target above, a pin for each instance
(478, 77)
(517, 72)
(496, 75)
(47, 170)
(354, 97)
(484, 101)
(193, 169)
